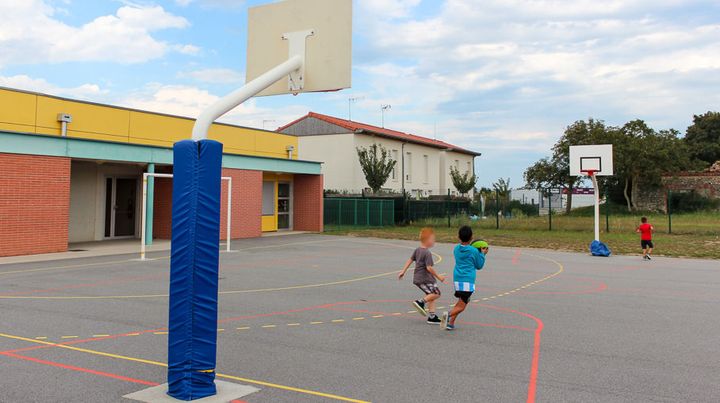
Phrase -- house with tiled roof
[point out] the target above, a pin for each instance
(422, 164)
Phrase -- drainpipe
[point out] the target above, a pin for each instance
(402, 159)
(64, 119)
(290, 150)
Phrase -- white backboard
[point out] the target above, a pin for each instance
(328, 53)
(598, 158)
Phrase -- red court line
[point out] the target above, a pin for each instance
(516, 256)
(87, 285)
(535, 364)
(79, 369)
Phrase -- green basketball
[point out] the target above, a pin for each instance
(479, 244)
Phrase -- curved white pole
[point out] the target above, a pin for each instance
(235, 98)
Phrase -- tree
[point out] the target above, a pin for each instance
(502, 187)
(554, 172)
(463, 182)
(377, 168)
(703, 137)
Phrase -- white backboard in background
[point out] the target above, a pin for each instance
(598, 158)
(328, 51)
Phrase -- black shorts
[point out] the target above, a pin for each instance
(646, 244)
(429, 288)
(464, 296)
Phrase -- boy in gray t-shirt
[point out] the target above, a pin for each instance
(424, 276)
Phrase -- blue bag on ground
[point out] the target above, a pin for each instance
(598, 248)
(192, 338)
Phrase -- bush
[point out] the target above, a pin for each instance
(514, 208)
(692, 202)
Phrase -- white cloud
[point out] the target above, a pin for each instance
(388, 8)
(212, 3)
(215, 76)
(189, 101)
(575, 59)
(24, 82)
(30, 34)
(188, 49)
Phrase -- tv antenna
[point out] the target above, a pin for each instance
(351, 101)
(384, 108)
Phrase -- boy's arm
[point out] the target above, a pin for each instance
(432, 271)
(404, 269)
(480, 261)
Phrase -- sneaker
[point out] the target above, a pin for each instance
(645, 257)
(420, 307)
(444, 320)
(449, 327)
(433, 320)
(648, 257)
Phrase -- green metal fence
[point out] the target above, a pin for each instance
(420, 209)
(359, 212)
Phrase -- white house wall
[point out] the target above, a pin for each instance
(342, 169)
(337, 153)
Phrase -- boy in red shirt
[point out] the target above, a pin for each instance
(646, 230)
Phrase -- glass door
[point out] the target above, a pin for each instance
(284, 206)
(120, 207)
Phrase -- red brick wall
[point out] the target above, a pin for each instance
(308, 203)
(162, 208)
(246, 200)
(34, 204)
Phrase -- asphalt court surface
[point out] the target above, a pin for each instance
(313, 318)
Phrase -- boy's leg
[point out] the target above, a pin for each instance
(430, 301)
(459, 307)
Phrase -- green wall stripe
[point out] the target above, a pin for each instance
(34, 144)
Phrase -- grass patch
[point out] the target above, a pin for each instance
(694, 235)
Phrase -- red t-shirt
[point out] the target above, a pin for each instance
(645, 232)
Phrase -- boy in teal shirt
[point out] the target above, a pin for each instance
(468, 260)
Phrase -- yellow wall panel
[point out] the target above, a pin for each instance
(96, 121)
(149, 128)
(37, 113)
(275, 144)
(235, 138)
(17, 108)
(269, 223)
(17, 128)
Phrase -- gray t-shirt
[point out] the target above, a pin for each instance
(422, 258)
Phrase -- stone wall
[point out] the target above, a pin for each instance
(706, 184)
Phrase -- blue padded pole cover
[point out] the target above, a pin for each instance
(192, 338)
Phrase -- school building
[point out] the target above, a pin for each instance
(72, 171)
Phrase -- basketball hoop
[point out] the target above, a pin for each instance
(589, 172)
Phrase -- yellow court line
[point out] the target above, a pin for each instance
(113, 262)
(297, 287)
(162, 364)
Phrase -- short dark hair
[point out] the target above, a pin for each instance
(465, 234)
(643, 220)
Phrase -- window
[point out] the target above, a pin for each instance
(268, 198)
(426, 169)
(408, 167)
(395, 158)
(469, 167)
(457, 165)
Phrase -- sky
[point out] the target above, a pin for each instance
(501, 77)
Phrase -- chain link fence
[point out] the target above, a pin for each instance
(359, 212)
